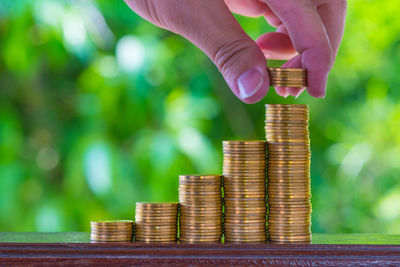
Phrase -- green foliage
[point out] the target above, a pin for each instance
(100, 109)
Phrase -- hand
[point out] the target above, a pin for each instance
(313, 28)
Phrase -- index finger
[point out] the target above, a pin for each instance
(310, 39)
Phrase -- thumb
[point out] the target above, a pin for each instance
(211, 26)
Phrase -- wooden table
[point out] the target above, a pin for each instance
(37, 249)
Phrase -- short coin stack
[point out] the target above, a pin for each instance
(289, 191)
(156, 222)
(244, 167)
(111, 231)
(288, 77)
(200, 209)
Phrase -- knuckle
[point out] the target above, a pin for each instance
(170, 15)
(324, 54)
(227, 54)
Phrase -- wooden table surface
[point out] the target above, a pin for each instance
(38, 249)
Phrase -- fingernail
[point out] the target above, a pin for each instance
(249, 83)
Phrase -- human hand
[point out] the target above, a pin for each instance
(313, 28)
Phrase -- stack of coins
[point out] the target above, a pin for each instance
(156, 222)
(288, 77)
(111, 231)
(289, 191)
(244, 191)
(200, 218)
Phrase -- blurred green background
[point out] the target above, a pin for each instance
(100, 109)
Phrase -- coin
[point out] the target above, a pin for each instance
(201, 209)
(112, 230)
(156, 221)
(244, 169)
(287, 78)
(289, 191)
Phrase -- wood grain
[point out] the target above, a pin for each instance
(66, 249)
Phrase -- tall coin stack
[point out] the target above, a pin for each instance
(244, 167)
(289, 192)
(156, 222)
(200, 209)
(288, 77)
(111, 231)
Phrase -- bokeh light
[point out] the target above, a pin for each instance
(100, 109)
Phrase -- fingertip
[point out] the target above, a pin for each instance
(276, 45)
(260, 93)
(317, 92)
(293, 90)
(282, 91)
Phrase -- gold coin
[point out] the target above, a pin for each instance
(231, 205)
(200, 194)
(116, 223)
(289, 181)
(201, 221)
(215, 237)
(247, 177)
(156, 241)
(301, 148)
(244, 161)
(242, 237)
(244, 173)
(287, 221)
(283, 206)
(204, 233)
(304, 237)
(208, 186)
(111, 230)
(244, 201)
(200, 232)
(155, 221)
(201, 227)
(236, 153)
(243, 142)
(259, 210)
(273, 155)
(236, 192)
(244, 168)
(291, 230)
(202, 179)
(102, 230)
(276, 191)
(288, 202)
(289, 188)
(285, 124)
(196, 241)
(286, 173)
(190, 209)
(245, 221)
(156, 205)
(291, 238)
(200, 208)
(156, 237)
(156, 216)
(301, 117)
